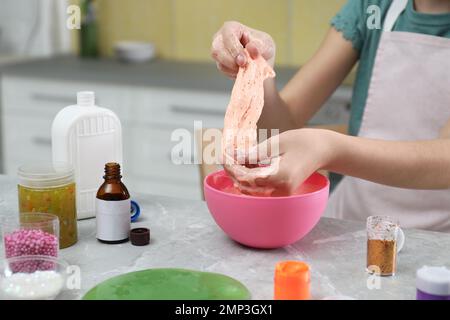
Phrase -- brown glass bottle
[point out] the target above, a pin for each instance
(113, 207)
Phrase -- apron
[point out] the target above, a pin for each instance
(408, 99)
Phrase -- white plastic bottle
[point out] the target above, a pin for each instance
(86, 136)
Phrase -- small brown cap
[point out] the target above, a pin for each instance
(140, 236)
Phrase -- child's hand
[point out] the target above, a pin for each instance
(230, 41)
(300, 153)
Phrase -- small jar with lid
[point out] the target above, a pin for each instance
(50, 188)
(433, 283)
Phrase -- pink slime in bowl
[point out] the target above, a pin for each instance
(266, 222)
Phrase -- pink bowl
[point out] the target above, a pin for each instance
(266, 222)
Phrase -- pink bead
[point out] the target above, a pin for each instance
(31, 242)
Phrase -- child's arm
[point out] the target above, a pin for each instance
(404, 164)
(306, 92)
(413, 165)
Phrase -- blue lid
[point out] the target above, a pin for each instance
(135, 211)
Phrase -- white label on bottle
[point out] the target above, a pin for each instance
(113, 219)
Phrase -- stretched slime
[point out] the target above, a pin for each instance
(245, 107)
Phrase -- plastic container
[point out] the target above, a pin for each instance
(31, 234)
(266, 222)
(50, 188)
(87, 136)
(433, 283)
(32, 278)
(292, 281)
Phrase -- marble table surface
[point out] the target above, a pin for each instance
(184, 235)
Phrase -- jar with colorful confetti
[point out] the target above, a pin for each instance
(50, 188)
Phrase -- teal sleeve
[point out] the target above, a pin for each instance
(350, 21)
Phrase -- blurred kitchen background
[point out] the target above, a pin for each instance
(41, 70)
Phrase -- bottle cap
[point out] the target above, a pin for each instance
(292, 281)
(433, 280)
(140, 236)
(135, 211)
(86, 98)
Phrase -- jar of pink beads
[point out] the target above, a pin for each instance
(31, 234)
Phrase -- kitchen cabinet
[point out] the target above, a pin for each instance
(148, 118)
(149, 114)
